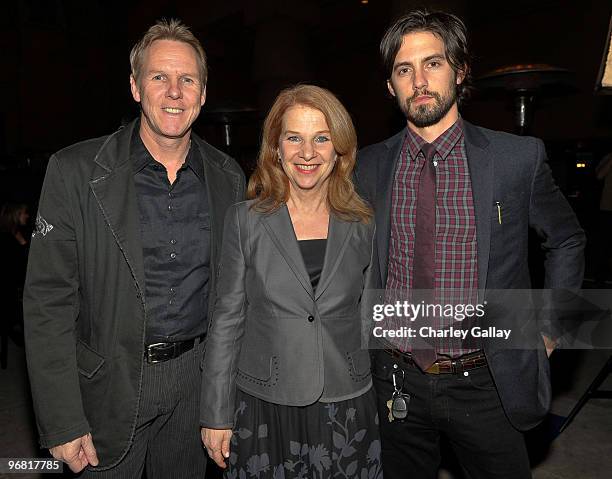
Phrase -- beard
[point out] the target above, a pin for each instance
(427, 115)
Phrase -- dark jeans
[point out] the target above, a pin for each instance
(464, 408)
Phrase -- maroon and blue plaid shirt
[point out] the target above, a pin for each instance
(456, 269)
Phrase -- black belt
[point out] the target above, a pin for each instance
(160, 352)
(444, 366)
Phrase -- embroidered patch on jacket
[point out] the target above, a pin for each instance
(42, 226)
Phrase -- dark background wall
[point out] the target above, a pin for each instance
(65, 68)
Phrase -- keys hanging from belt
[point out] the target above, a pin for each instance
(398, 404)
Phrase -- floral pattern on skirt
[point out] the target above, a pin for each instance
(319, 441)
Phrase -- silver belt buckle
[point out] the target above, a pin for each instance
(149, 352)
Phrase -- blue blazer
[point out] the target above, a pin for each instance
(511, 170)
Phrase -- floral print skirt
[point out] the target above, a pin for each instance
(322, 440)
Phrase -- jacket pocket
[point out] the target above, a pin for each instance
(263, 373)
(480, 379)
(204, 221)
(89, 361)
(506, 208)
(359, 364)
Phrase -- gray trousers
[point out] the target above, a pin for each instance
(167, 439)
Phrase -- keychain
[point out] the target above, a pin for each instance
(398, 404)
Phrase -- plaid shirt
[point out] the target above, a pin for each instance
(456, 270)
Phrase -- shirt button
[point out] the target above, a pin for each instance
(173, 255)
(170, 302)
(172, 290)
(169, 207)
(310, 318)
(172, 241)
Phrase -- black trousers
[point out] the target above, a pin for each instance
(167, 438)
(464, 408)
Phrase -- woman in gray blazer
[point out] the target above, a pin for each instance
(285, 368)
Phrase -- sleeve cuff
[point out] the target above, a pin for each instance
(62, 437)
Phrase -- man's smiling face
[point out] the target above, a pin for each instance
(169, 89)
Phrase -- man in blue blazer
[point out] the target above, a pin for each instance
(454, 203)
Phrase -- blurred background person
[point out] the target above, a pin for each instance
(284, 366)
(14, 245)
(604, 240)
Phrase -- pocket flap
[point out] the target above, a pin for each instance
(360, 362)
(260, 371)
(204, 221)
(88, 361)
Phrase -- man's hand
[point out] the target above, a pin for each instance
(549, 344)
(77, 454)
(217, 443)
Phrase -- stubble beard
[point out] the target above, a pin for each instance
(426, 115)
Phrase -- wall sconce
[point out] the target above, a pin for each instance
(604, 79)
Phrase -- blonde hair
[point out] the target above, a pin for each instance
(164, 29)
(269, 184)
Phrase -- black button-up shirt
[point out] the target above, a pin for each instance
(175, 229)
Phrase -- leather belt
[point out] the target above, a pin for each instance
(160, 352)
(444, 366)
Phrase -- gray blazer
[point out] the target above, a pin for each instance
(270, 334)
(84, 308)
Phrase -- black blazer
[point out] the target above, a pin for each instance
(84, 295)
(511, 170)
(272, 336)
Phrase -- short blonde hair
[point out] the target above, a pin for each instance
(269, 183)
(164, 29)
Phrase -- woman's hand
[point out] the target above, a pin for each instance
(217, 444)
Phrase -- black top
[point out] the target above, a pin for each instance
(313, 252)
(175, 227)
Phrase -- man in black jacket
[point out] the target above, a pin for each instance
(121, 276)
(453, 205)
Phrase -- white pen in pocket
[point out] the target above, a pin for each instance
(499, 213)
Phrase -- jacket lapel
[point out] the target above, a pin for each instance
(115, 193)
(279, 227)
(480, 166)
(337, 240)
(384, 190)
(222, 189)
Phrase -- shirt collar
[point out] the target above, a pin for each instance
(194, 160)
(444, 143)
(139, 154)
(141, 157)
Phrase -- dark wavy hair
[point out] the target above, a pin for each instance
(446, 26)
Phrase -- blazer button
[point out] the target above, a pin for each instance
(310, 318)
